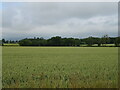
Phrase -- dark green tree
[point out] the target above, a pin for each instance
(117, 42)
(25, 42)
(55, 41)
(105, 40)
(90, 41)
(3, 41)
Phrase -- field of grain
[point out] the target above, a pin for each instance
(60, 67)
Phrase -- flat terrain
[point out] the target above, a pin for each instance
(60, 67)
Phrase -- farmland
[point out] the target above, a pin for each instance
(60, 67)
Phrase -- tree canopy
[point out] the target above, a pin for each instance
(59, 41)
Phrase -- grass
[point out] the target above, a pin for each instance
(60, 67)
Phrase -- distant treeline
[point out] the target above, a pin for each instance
(59, 41)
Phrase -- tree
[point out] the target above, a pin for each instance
(55, 41)
(117, 42)
(77, 42)
(3, 40)
(99, 42)
(70, 42)
(90, 41)
(58, 41)
(25, 42)
(105, 40)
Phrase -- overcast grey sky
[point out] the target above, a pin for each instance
(21, 20)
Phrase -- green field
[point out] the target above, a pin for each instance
(11, 44)
(60, 67)
(82, 45)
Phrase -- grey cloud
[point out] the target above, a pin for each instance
(64, 19)
(50, 13)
